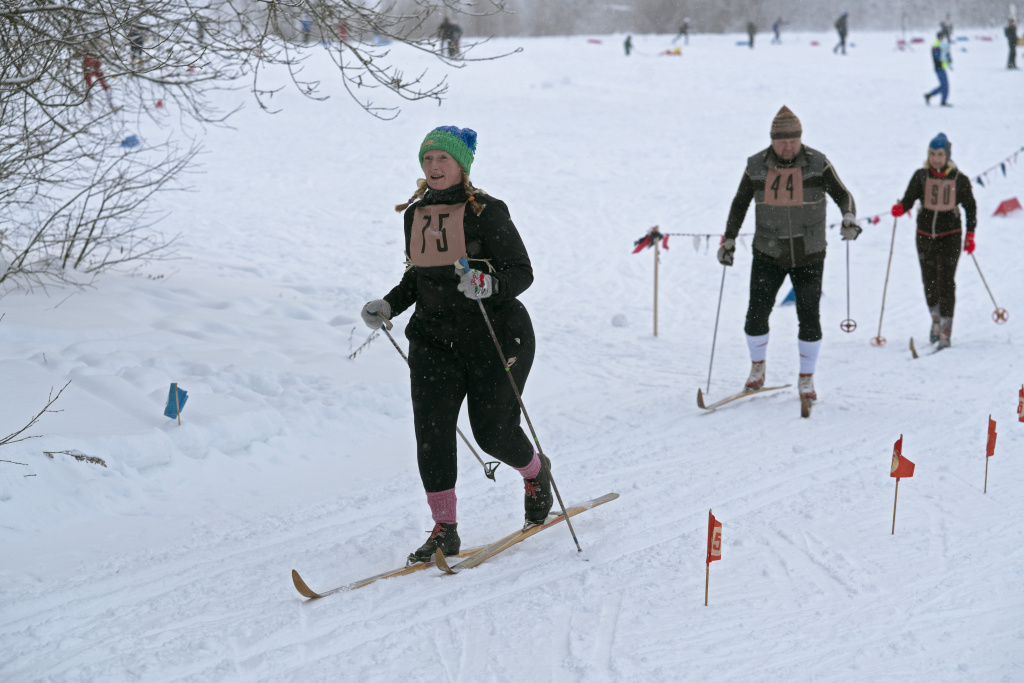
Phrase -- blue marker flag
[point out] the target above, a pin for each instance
(174, 408)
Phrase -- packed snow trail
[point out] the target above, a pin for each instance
(172, 563)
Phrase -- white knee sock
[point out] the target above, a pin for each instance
(758, 347)
(808, 356)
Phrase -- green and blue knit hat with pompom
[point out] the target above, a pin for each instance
(460, 143)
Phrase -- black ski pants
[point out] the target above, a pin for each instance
(765, 280)
(442, 377)
(939, 257)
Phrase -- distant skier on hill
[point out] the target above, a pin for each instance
(940, 187)
(942, 61)
(841, 27)
(684, 32)
(628, 45)
(452, 357)
(751, 32)
(788, 182)
(1011, 38)
(946, 27)
(777, 30)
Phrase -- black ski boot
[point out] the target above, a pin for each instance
(443, 536)
(539, 500)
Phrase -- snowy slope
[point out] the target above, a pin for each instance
(172, 563)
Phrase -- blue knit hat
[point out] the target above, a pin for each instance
(459, 142)
(940, 141)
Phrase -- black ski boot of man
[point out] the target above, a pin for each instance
(443, 536)
(933, 336)
(538, 499)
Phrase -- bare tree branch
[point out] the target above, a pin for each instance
(14, 437)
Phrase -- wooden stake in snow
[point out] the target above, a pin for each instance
(990, 447)
(901, 467)
(656, 259)
(652, 239)
(714, 550)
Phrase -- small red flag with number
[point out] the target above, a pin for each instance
(714, 539)
(1020, 406)
(901, 466)
(990, 449)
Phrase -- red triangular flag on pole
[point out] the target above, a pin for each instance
(990, 449)
(901, 466)
(714, 539)
(1020, 406)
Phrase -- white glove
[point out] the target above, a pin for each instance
(376, 313)
(850, 229)
(726, 252)
(477, 285)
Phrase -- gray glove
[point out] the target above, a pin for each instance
(850, 229)
(376, 314)
(477, 285)
(726, 251)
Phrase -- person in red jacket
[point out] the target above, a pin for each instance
(451, 354)
(942, 189)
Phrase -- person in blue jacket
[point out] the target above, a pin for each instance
(943, 62)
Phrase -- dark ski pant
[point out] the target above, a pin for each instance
(469, 369)
(1011, 62)
(943, 87)
(765, 281)
(939, 257)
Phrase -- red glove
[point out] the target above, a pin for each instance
(897, 210)
(969, 243)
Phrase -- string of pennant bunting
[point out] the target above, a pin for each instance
(654, 236)
(1011, 160)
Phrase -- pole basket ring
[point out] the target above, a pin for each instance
(878, 341)
(848, 325)
(489, 469)
(1000, 315)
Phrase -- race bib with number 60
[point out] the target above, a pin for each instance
(438, 237)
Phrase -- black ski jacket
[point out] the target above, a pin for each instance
(940, 223)
(443, 314)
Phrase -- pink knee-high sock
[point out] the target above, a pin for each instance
(442, 506)
(532, 470)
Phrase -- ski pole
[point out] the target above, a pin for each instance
(489, 467)
(464, 264)
(849, 325)
(714, 337)
(1000, 315)
(880, 340)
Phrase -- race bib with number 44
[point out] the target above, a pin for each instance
(784, 187)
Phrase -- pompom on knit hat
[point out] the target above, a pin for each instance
(940, 141)
(786, 125)
(460, 143)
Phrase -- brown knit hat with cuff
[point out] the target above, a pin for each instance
(786, 125)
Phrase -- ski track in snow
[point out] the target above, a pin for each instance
(172, 563)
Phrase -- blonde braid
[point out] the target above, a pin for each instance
(421, 189)
(471, 192)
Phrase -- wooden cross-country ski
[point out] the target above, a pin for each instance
(517, 537)
(308, 592)
(730, 399)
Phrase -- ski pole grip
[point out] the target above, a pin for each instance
(464, 263)
(387, 323)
